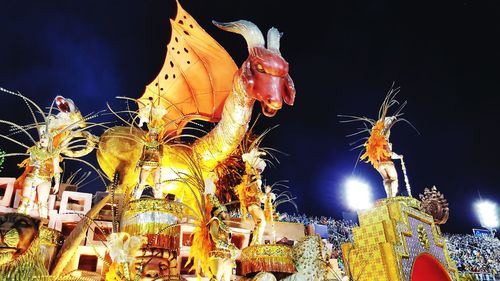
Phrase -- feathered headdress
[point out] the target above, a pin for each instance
(376, 145)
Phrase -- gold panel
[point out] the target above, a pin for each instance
(380, 245)
(367, 263)
(374, 215)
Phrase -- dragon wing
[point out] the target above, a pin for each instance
(196, 77)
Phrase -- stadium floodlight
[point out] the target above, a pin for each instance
(487, 213)
(358, 194)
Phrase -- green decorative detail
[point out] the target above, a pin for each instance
(422, 237)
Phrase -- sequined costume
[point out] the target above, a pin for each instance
(222, 255)
(269, 211)
(250, 195)
(151, 155)
(41, 167)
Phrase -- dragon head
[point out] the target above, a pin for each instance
(264, 73)
(68, 112)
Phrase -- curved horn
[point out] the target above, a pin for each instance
(248, 30)
(273, 40)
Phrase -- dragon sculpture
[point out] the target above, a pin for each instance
(195, 84)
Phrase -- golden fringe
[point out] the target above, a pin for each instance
(202, 245)
(268, 264)
(268, 258)
(152, 228)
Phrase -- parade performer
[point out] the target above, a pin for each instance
(61, 134)
(152, 149)
(211, 252)
(221, 261)
(378, 149)
(269, 211)
(250, 193)
(43, 166)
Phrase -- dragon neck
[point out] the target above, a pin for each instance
(219, 143)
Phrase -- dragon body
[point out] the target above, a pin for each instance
(263, 77)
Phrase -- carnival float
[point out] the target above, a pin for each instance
(166, 211)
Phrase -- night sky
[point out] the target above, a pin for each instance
(343, 58)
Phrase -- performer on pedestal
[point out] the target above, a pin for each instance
(221, 261)
(269, 210)
(61, 134)
(378, 148)
(149, 163)
(152, 148)
(42, 167)
(250, 193)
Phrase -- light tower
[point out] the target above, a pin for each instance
(487, 213)
(358, 194)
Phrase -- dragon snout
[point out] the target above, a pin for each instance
(274, 103)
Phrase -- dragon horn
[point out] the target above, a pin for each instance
(273, 40)
(248, 30)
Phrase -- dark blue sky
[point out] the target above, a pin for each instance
(445, 55)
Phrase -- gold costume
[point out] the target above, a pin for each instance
(221, 257)
(151, 155)
(269, 212)
(40, 169)
(250, 196)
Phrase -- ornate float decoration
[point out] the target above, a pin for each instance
(26, 248)
(61, 136)
(199, 80)
(434, 204)
(397, 241)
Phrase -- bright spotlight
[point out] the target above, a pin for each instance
(358, 194)
(487, 213)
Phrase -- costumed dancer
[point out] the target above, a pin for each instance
(378, 148)
(222, 256)
(152, 146)
(269, 210)
(150, 161)
(250, 193)
(42, 166)
(123, 249)
(380, 154)
(61, 134)
(211, 251)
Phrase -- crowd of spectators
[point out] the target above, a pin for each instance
(475, 253)
(339, 231)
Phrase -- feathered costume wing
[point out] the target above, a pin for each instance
(193, 83)
(196, 77)
(377, 146)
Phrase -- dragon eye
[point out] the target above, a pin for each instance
(260, 68)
